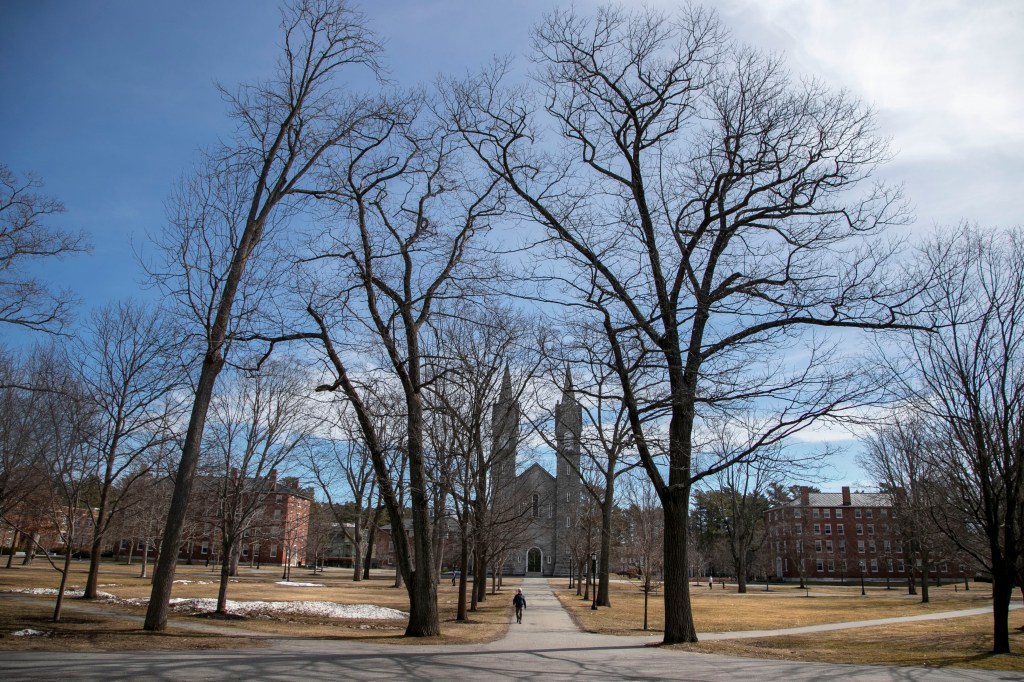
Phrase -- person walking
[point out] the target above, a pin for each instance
(519, 601)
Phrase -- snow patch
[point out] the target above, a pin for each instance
(29, 632)
(314, 609)
(193, 582)
(49, 591)
(288, 583)
(317, 609)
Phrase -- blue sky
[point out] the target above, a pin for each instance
(108, 100)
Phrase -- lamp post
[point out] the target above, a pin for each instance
(593, 578)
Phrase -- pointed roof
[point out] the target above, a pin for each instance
(506, 385)
(567, 386)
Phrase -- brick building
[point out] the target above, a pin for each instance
(277, 534)
(838, 536)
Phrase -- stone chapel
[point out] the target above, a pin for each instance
(545, 507)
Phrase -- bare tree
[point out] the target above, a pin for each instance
(256, 426)
(24, 238)
(21, 395)
(340, 464)
(697, 200)
(645, 530)
(899, 455)
(406, 211)
(223, 220)
(64, 426)
(742, 489)
(128, 364)
(969, 385)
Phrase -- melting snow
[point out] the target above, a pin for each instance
(288, 583)
(67, 593)
(319, 609)
(29, 632)
(316, 609)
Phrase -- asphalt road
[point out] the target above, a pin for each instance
(546, 645)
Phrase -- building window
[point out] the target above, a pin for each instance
(817, 545)
(841, 530)
(884, 513)
(860, 529)
(536, 505)
(828, 529)
(856, 513)
(871, 529)
(869, 512)
(817, 529)
(886, 547)
(901, 565)
(568, 522)
(820, 566)
(860, 546)
(124, 544)
(815, 512)
(871, 546)
(828, 545)
(798, 529)
(874, 565)
(826, 512)
(204, 548)
(863, 566)
(796, 513)
(899, 547)
(831, 566)
(839, 513)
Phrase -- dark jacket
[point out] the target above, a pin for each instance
(519, 601)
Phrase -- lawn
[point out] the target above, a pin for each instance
(99, 625)
(961, 642)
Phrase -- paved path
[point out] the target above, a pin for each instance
(547, 645)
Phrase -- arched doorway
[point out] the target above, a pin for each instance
(533, 560)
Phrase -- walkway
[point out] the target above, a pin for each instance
(547, 645)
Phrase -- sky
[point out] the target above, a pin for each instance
(108, 101)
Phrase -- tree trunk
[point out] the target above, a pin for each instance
(924, 583)
(163, 576)
(145, 558)
(370, 541)
(461, 615)
(225, 573)
(606, 544)
(678, 614)
(59, 605)
(1002, 591)
(15, 536)
(30, 551)
(741, 575)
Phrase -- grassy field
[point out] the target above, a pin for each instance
(100, 625)
(961, 642)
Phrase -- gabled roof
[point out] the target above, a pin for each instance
(539, 468)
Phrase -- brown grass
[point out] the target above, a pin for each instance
(79, 631)
(958, 642)
(782, 607)
(487, 624)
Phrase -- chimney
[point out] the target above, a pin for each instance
(846, 496)
(273, 479)
(805, 496)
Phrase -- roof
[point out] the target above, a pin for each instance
(836, 500)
